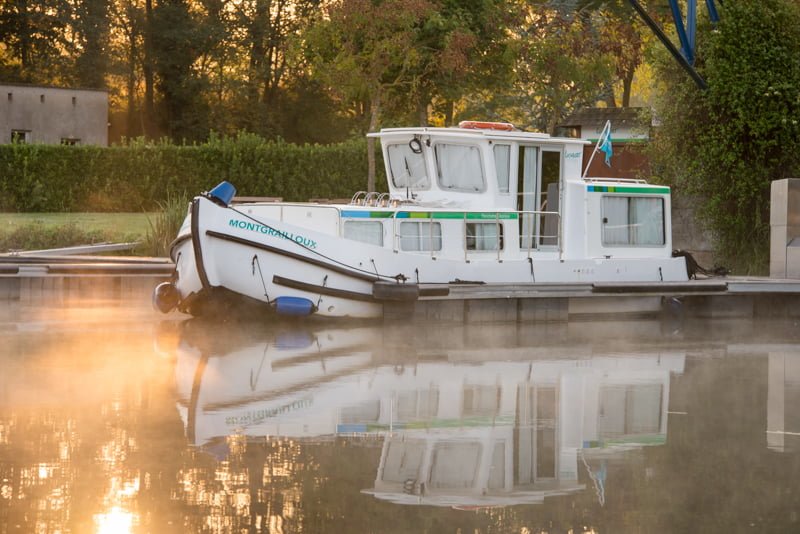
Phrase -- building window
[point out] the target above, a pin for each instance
(484, 236)
(420, 236)
(71, 141)
(633, 221)
(365, 231)
(20, 136)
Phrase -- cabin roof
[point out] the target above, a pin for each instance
(516, 135)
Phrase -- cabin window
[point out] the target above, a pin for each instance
(420, 236)
(407, 168)
(484, 236)
(370, 232)
(459, 167)
(454, 465)
(403, 460)
(502, 166)
(633, 221)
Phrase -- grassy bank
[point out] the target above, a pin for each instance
(114, 223)
(35, 231)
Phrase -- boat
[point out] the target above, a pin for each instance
(482, 203)
(460, 425)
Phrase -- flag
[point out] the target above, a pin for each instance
(604, 144)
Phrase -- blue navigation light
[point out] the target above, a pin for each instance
(223, 193)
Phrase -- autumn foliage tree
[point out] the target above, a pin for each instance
(364, 50)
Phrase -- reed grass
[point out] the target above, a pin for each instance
(164, 226)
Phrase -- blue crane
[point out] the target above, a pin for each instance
(686, 33)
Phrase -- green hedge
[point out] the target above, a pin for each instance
(135, 177)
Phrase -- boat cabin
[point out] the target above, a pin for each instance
(491, 171)
(491, 192)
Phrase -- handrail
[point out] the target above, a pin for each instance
(535, 239)
(371, 199)
(616, 180)
(533, 221)
(356, 196)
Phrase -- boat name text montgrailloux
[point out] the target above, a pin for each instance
(268, 230)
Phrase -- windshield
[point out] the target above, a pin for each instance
(407, 168)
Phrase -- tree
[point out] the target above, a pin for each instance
(462, 47)
(91, 23)
(176, 41)
(33, 33)
(559, 67)
(728, 143)
(364, 49)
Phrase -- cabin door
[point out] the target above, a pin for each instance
(527, 178)
(549, 199)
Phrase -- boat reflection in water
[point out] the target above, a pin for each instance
(461, 426)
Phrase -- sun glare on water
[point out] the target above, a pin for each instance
(115, 521)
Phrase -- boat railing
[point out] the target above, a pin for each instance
(358, 198)
(374, 199)
(538, 231)
(615, 180)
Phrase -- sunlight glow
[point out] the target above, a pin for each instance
(115, 521)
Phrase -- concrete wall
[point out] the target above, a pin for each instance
(688, 233)
(784, 229)
(51, 115)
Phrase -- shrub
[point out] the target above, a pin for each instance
(140, 175)
(726, 145)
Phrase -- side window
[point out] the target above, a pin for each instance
(633, 221)
(484, 236)
(420, 236)
(502, 166)
(459, 167)
(365, 231)
(407, 168)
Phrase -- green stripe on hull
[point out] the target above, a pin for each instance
(628, 189)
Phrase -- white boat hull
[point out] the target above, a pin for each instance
(226, 250)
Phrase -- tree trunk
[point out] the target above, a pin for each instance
(257, 50)
(131, 112)
(374, 115)
(449, 112)
(610, 100)
(25, 38)
(422, 111)
(147, 69)
(627, 82)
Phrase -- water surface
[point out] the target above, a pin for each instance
(114, 420)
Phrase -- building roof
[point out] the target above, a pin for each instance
(39, 86)
(619, 116)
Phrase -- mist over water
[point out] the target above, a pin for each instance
(113, 419)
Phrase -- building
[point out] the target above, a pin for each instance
(53, 115)
(630, 129)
